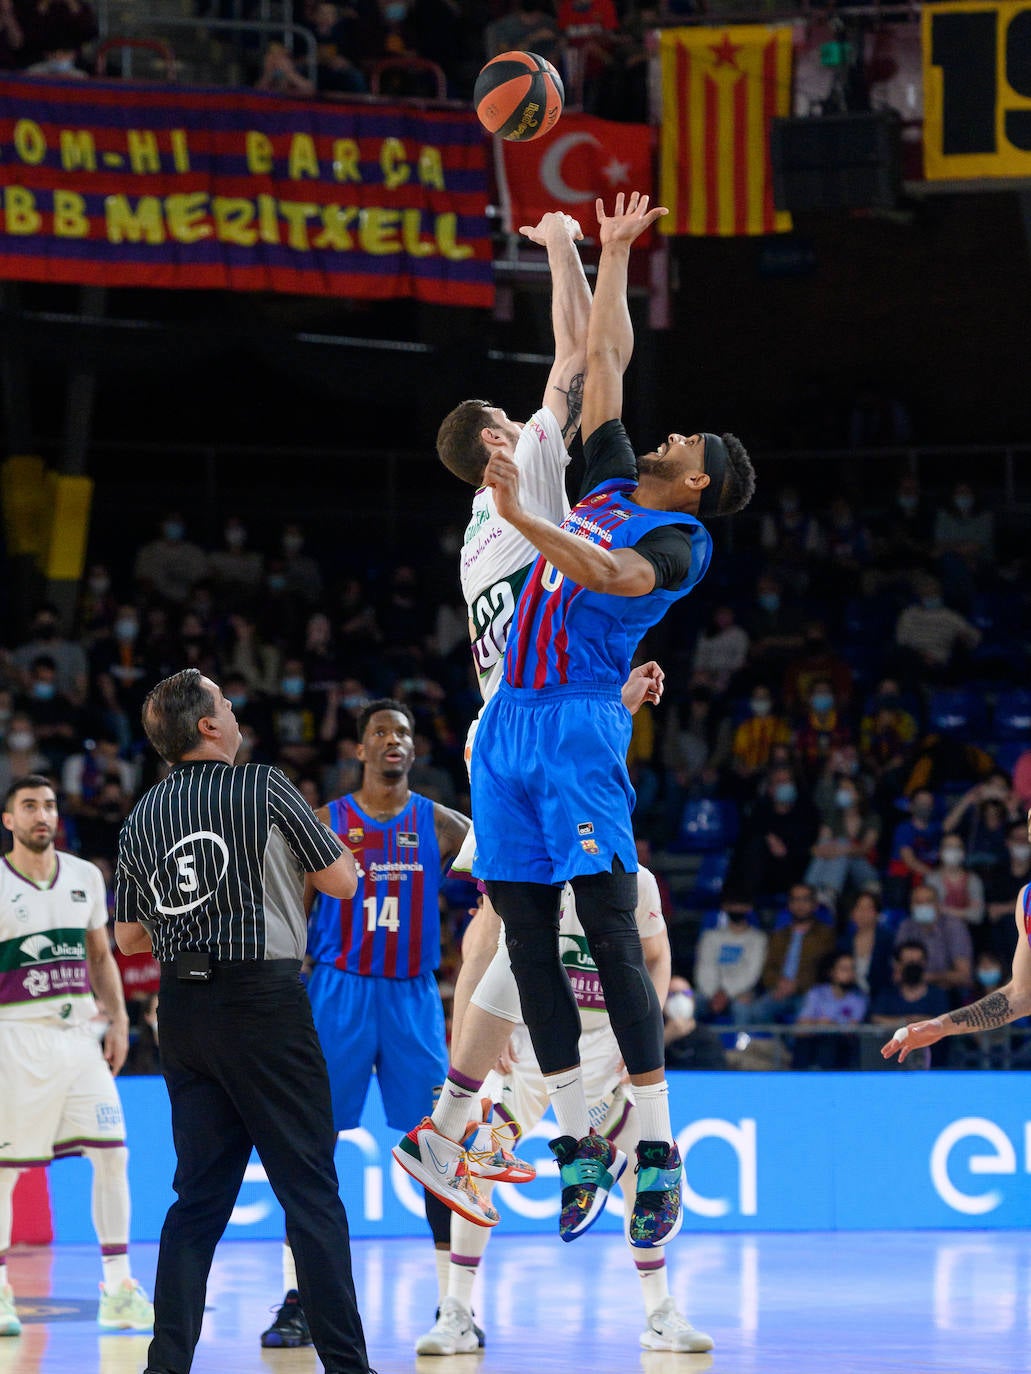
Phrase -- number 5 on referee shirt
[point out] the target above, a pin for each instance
(187, 877)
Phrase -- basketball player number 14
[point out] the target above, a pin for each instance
(386, 918)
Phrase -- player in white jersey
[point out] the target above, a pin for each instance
(520, 1094)
(57, 1091)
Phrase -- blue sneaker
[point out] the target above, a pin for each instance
(588, 1169)
(658, 1207)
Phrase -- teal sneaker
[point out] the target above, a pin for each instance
(658, 1207)
(10, 1325)
(588, 1169)
(125, 1308)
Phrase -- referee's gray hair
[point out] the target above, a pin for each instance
(171, 712)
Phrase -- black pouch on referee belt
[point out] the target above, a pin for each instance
(193, 966)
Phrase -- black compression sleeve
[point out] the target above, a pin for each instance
(668, 550)
(608, 453)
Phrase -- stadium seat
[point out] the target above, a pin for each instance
(1012, 719)
(1005, 752)
(706, 825)
(709, 880)
(956, 710)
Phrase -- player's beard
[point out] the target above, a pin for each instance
(36, 843)
(661, 469)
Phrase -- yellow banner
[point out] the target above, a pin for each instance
(977, 89)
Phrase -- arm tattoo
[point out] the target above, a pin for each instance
(574, 404)
(993, 1010)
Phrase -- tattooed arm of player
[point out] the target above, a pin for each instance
(999, 1008)
(570, 313)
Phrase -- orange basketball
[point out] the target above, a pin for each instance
(519, 96)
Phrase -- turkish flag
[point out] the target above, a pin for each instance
(583, 158)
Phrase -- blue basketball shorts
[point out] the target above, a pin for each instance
(393, 1027)
(551, 794)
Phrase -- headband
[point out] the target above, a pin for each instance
(716, 457)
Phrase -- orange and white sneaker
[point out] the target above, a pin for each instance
(441, 1166)
(488, 1158)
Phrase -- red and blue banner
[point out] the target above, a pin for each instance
(128, 185)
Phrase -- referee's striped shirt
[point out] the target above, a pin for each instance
(213, 857)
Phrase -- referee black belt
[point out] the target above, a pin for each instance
(233, 967)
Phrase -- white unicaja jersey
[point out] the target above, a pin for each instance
(44, 975)
(580, 967)
(496, 557)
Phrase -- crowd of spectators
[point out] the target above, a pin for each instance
(835, 785)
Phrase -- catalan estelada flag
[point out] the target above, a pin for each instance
(720, 90)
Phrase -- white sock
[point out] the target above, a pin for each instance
(653, 1111)
(566, 1093)
(289, 1268)
(116, 1269)
(443, 1258)
(458, 1105)
(468, 1243)
(654, 1283)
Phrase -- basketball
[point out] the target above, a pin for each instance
(518, 95)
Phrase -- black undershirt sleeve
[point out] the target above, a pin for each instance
(608, 453)
(668, 550)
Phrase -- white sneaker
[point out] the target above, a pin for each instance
(453, 1333)
(442, 1167)
(125, 1308)
(668, 1330)
(9, 1323)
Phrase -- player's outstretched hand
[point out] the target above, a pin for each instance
(502, 474)
(554, 223)
(915, 1037)
(627, 222)
(645, 683)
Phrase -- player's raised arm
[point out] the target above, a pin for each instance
(570, 312)
(1000, 1007)
(610, 334)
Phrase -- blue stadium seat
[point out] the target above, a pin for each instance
(709, 880)
(706, 825)
(1005, 752)
(1012, 719)
(956, 710)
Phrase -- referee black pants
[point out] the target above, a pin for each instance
(243, 1067)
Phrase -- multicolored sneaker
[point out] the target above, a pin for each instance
(125, 1308)
(441, 1166)
(658, 1211)
(588, 1169)
(289, 1331)
(10, 1324)
(668, 1330)
(486, 1156)
(454, 1333)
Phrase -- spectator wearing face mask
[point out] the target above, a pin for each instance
(870, 943)
(729, 960)
(56, 720)
(960, 892)
(818, 663)
(912, 997)
(999, 933)
(169, 567)
(97, 606)
(67, 656)
(887, 733)
(791, 539)
(756, 736)
(822, 728)
(834, 1000)
(20, 754)
(303, 578)
(903, 538)
(964, 540)
(773, 847)
(235, 570)
(296, 716)
(845, 851)
(981, 817)
(946, 939)
(915, 843)
(774, 627)
(932, 636)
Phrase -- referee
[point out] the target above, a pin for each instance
(211, 875)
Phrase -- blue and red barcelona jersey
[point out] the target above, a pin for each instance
(391, 926)
(565, 634)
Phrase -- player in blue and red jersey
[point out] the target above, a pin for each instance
(372, 987)
(552, 798)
